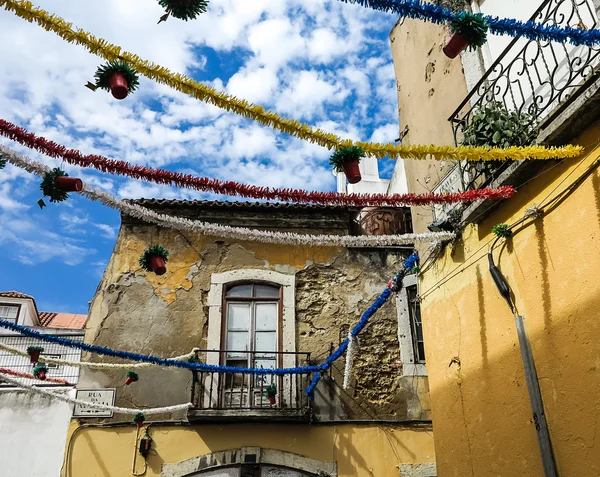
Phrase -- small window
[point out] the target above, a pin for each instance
(414, 311)
(51, 356)
(9, 312)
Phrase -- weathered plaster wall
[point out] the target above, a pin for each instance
(167, 315)
(359, 451)
(33, 431)
(430, 87)
(481, 411)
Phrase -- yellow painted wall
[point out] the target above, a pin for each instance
(481, 410)
(360, 451)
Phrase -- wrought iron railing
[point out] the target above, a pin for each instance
(533, 77)
(218, 391)
(23, 364)
(381, 221)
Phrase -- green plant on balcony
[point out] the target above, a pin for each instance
(493, 125)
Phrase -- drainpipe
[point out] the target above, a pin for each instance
(533, 386)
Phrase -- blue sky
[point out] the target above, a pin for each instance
(324, 62)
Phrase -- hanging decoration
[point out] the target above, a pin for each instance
(468, 29)
(184, 84)
(88, 364)
(154, 259)
(237, 233)
(139, 419)
(271, 393)
(34, 353)
(2, 162)
(351, 353)
(423, 10)
(132, 377)
(57, 184)
(18, 374)
(502, 230)
(182, 9)
(40, 372)
(346, 160)
(64, 398)
(117, 77)
(205, 184)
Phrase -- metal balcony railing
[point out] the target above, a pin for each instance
(23, 364)
(215, 391)
(539, 78)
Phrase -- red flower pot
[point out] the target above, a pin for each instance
(157, 264)
(35, 356)
(42, 375)
(139, 423)
(352, 171)
(456, 44)
(69, 184)
(128, 381)
(271, 398)
(118, 85)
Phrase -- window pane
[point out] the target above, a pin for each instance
(8, 313)
(266, 291)
(238, 316)
(237, 341)
(240, 290)
(266, 316)
(266, 341)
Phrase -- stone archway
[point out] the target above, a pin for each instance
(250, 462)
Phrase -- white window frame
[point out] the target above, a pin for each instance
(405, 332)
(17, 306)
(218, 285)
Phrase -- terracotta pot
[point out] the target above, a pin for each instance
(42, 375)
(69, 184)
(352, 171)
(139, 423)
(118, 85)
(157, 264)
(35, 356)
(128, 381)
(271, 398)
(456, 44)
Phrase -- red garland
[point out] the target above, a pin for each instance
(161, 176)
(30, 376)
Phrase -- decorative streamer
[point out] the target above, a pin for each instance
(161, 176)
(182, 83)
(225, 231)
(67, 399)
(350, 355)
(17, 374)
(500, 26)
(87, 364)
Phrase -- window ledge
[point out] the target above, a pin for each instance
(410, 369)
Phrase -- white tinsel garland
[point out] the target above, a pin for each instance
(86, 364)
(351, 352)
(120, 410)
(225, 231)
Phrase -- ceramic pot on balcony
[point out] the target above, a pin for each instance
(456, 44)
(352, 171)
(69, 184)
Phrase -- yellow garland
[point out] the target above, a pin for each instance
(182, 83)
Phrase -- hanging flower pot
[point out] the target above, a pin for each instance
(468, 29)
(271, 394)
(40, 372)
(139, 419)
(154, 259)
(117, 77)
(34, 353)
(131, 378)
(346, 160)
(69, 184)
(57, 184)
(182, 9)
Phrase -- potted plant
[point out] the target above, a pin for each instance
(139, 419)
(40, 372)
(271, 393)
(131, 378)
(468, 29)
(183, 9)
(34, 353)
(117, 77)
(56, 185)
(154, 259)
(346, 160)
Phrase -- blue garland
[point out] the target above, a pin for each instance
(500, 26)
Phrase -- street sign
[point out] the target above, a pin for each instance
(96, 396)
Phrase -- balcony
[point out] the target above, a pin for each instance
(381, 221)
(220, 396)
(543, 79)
